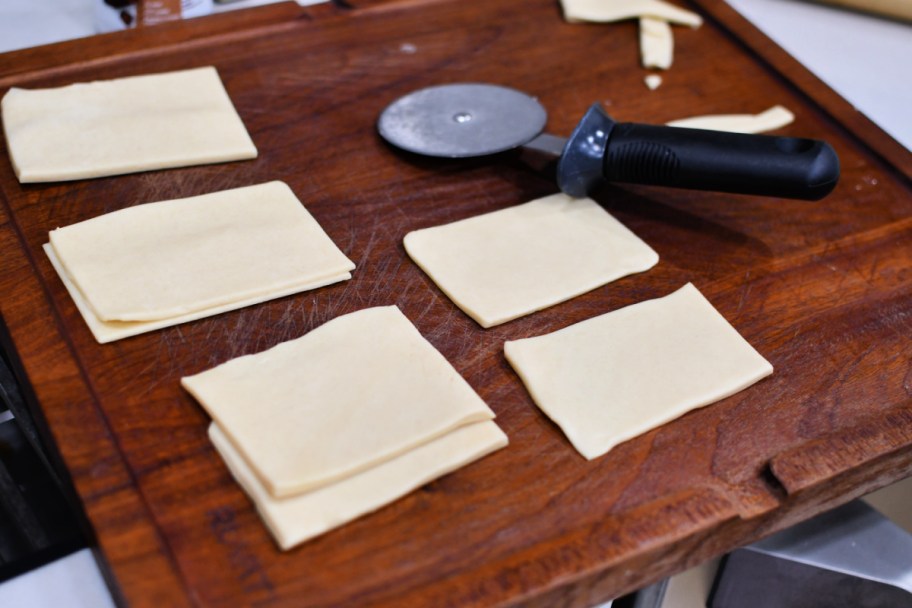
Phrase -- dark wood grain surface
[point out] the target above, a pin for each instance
(823, 290)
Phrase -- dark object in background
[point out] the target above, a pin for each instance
(37, 523)
(652, 596)
(850, 557)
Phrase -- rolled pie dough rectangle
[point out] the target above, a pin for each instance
(355, 392)
(509, 263)
(111, 127)
(295, 519)
(610, 378)
(164, 263)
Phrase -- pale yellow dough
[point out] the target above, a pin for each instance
(653, 81)
(610, 378)
(509, 263)
(355, 392)
(606, 11)
(164, 263)
(110, 331)
(769, 120)
(656, 43)
(111, 127)
(295, 519)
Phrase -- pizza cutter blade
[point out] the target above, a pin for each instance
(463, 120)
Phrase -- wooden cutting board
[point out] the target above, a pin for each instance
(823, 290)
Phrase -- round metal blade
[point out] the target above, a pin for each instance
(462, 120)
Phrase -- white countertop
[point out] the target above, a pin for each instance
(866, 59)
(73, 581)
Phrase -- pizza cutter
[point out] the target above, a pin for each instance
(475, 119)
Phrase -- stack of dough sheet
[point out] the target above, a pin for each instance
(111, 127)
(160, 264)
(342, 421)
(608, 379)
(503, 265)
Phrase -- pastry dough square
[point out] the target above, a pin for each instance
(509, 263)
(610, 378)
(355, 392)
(295, 519)
(111, 127)
(164, 263)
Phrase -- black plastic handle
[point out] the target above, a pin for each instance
(694, 158)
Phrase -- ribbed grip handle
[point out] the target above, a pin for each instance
(726, 162)
(643, 162)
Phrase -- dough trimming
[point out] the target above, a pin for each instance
(774, 118)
